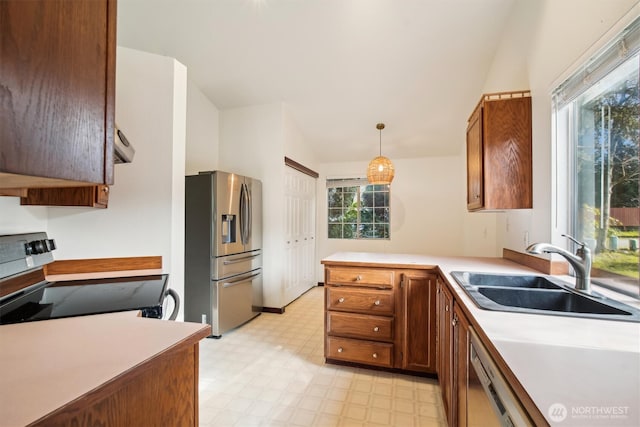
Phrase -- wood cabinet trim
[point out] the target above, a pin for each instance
(300, 167)
(543, 265)
(97, 265)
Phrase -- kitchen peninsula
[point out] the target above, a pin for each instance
(108, 369)
(548, 360)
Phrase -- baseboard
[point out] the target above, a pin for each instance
(273, 310)
(543, 265)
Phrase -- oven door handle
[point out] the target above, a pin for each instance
(176, 303)
(241, 280)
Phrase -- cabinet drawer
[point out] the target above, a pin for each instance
(366, 301)
(360, 277)
(374, 328)
(368, 352)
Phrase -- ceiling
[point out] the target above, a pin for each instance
(340, 66)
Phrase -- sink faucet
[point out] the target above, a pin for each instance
(581, 261)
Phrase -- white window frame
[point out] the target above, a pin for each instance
(598, 62)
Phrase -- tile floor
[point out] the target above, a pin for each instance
(271, 372)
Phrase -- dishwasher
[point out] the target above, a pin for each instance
(490, 400)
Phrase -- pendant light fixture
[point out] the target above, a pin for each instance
(380, 169)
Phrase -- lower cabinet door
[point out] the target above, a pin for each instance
(358, 351)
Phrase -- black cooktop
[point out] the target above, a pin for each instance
(52, 300)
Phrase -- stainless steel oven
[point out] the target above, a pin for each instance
(490, 400)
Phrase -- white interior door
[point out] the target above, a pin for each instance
(300, 224)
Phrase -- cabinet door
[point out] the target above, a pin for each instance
(461, 365)
(419, 340)
(58, 91)
(475, 189)
(445, 349)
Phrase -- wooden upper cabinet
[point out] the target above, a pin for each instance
(57, 92)
(499, 166)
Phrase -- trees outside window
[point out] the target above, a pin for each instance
(358, 211)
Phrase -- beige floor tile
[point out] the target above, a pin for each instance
(271, 372)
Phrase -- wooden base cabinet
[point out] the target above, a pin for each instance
(453, 356)
(461, 342)
(419, 317)
(444, 309)
(380, 317)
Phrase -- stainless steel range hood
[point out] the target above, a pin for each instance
(123, 151)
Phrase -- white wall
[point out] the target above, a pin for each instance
(146, 204)
(16, 219)
(202, 132)
(252, 144)
(542, 42)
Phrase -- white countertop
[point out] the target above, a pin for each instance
(587, 365)
(47, 364)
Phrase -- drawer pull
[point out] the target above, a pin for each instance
(358, 278)
(340, 350)
(377, 302)
(341, 300)
(375, 355)
(376, 329)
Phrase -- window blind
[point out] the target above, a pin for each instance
(619, 50)
(346, 182)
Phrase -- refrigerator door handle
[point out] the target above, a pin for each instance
(237, 260)
(243, 213)
(241, 280)
(249, 213)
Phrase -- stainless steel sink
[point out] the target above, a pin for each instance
(536, 294)
(505, 281)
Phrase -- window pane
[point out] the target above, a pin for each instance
(349, 231)
(606, 202)
(335, 231)
(335, 197)
(367, 199)
(382, 215)
(366, 215)
(382, 231)
(335, 215)
(349, 200)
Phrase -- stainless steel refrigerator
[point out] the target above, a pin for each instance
(223, 250)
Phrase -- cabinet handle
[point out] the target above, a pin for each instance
(376, 329)
(477, 196)
(446, 308)
(340, 350)
(454, 322)
(377, 302)
(105, 189)
(358, 278)
(341, 300)
(375, 355)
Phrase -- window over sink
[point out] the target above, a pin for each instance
(357, 210)
(596, 118)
